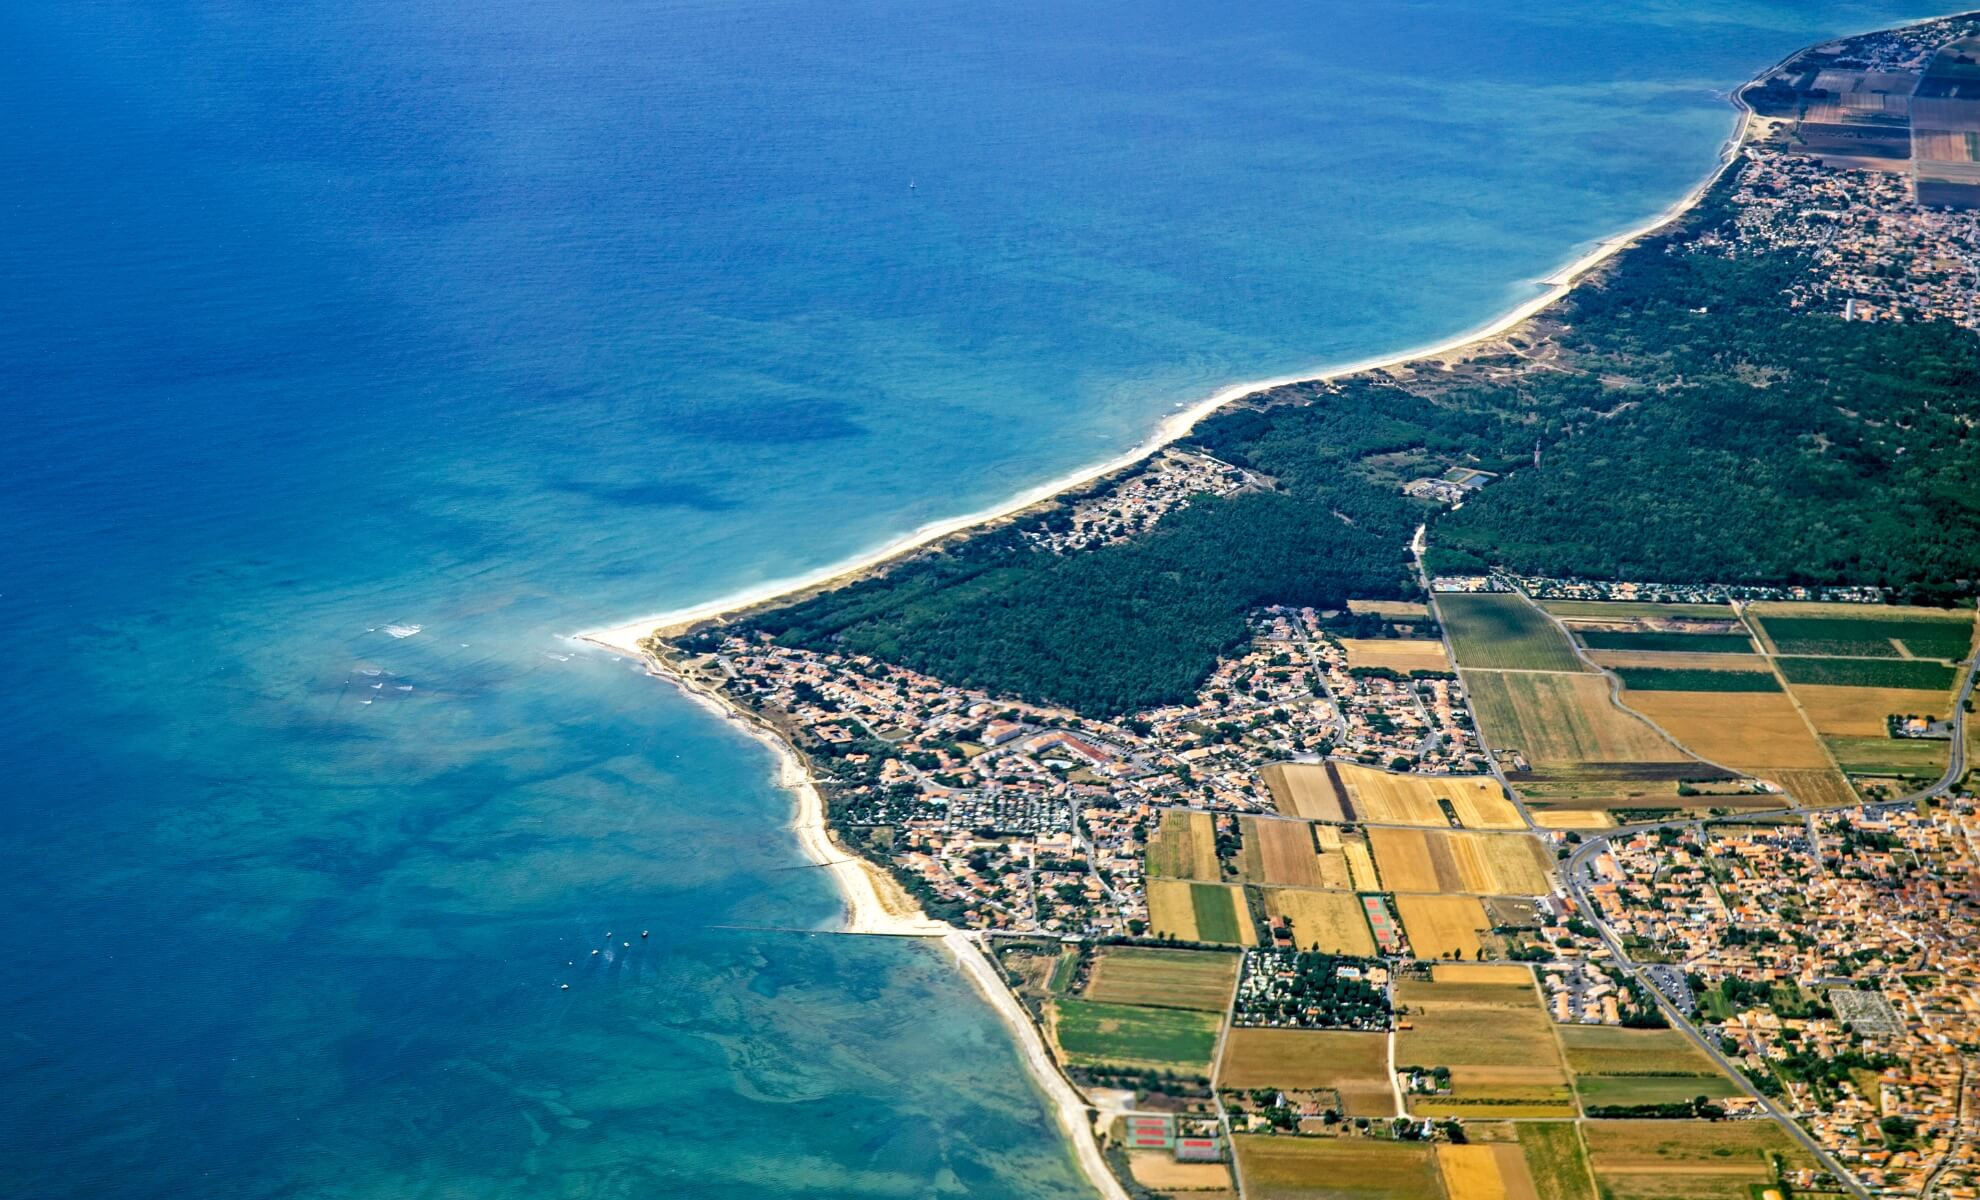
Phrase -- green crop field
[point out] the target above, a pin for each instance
(1913, 674)
(1505, 633)
(1925, 635)
(1618, 610)
(1688, 679)
(1097, 1034)
(1217, 914)
(1915, 757)
(1599, 1090)
(1635, 639)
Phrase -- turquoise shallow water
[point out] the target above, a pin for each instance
(505, 320)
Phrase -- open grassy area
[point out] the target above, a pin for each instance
(1556, 1161)
(1913, 674)
(1184, 846)
(1910, 758)
(1196, 979)
(1616, 610)
(1330, 921)
(1094, 1034)
(1562, 721)
(1283, 1168)
(1495, 1038)
(1504, 632)
(1686, 1160)
(1356, 1065)
(1879, 632)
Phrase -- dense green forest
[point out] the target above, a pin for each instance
(1702, 431)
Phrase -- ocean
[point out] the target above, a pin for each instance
(357, 354)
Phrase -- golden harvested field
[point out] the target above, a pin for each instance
(1200, 979)
(1686, 1160)
(1562, 720)
(1749, 731)
(1157, 1169)
(1389, 608)
(1495, 1038)
(1390, 799)
(1397, 654)
(1572, 818)
(1184, 846)
(1354, 1064)
(1446, 861)
(1499, 973)
(1283, 1168)
(1485, 1173)
(1817, 789)
(1286, 853)
(1328, 921)
(1171, 909)
(1440, 926)
(1305, 790)
(1860, 711)
(1361, 865)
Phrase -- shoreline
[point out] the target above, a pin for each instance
(625, 637)
(862, 885)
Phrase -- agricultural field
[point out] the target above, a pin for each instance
(1198, 979)
(1397, 654)
(1662, 640)
(1555, 1160)
(1284, 1168)
(1284, 853)
(1911, 674)
(1361, 865)
(1389, 799)
(1761, 733)
(1184, 846)
(1448, 861)
(1691, 679)
(1504, 632)
(1332, 922)
(1444, 926)
(1905, 758)
(1308, 790)
(1859, 712)
(1354, 1065)
(1496, 1039)
(1615, 610)
(1614, 1066)
(1485, 1172)
(1673, 660)
(1395, 610)
(1158, 1171)
(1092, 1034)
(1563, 721)
(1686, 1160)
(1199, 912)
(1858, 630)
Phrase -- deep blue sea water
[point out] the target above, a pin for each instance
(508, 319)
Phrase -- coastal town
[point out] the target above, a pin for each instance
(1557, 868)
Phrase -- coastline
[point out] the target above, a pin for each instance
(625, 637)
(861, 883)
